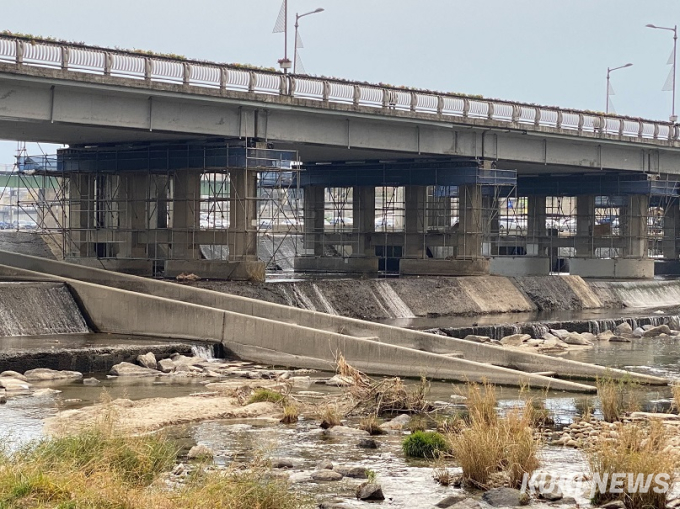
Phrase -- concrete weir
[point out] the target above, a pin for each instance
(276, 334)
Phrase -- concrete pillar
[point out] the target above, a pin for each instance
(81, 214)
(585, 222)
(536, 230)
(633, 224)
(186, 215)
(415, 200)
(363, 204)
(470, 222)
(243, 215)
(314, 200)
(133, 192)
(671, 222)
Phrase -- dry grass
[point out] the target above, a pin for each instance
(371, 423)
(637, 450)
(101, 469)
(676, 396)
(291, 414)
(489, 444)
(616, 397)
(441, 474)
(330, 416)
(261, 395)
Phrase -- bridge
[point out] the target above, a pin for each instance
(168, 161)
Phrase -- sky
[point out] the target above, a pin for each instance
(549, 52)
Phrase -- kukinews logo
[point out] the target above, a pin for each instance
(547, 485)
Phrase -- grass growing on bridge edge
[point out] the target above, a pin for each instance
(99, 468)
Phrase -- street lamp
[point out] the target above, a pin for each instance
(608, 87)
(675, 45)
(297, 18)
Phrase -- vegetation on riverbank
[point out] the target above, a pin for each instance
(98, 468)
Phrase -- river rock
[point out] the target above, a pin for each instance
(300, 477)
(200, 452)
(638, 332)
(655, 331)
(623, 328)
(355, 472)
(605, 335)
(560, 333)
(574, 338)
(14, 384)
(548, 489)
(166, 366)
(370, 491)
(324, 465)
(300, 381)
(14, 374)
(285, 463)
(148, 360)
(468, 503)
(620, 339)
(399, 422)
(554, 344)
(477, 339)
(129, 369)
(505, 497)
(340, 381)
(367, 443)
(45, 374)
(449, 501)
(614, 504)
(339, 431)
(326, 476)
(515, 339)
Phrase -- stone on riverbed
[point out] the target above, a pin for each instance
(45, 374)
(605, 335)
(14, 384)
(449, 501)
(399, 422)
(639, 332)
(326, 475)
(477, 339)
(148, 360)
(340, 381)
(655, 331)
(129, 369)
(14, 374)
(356, 472)
(166, 366)
(623, 328)
(515, 339)
(91, 381)
(339, 431)
(367, 443)
(200, 452)
(574, 338)
(619, 339)
(505, 497)
(370, 491)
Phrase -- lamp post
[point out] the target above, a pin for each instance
(609, 70)
(673, 117)
(297, 18)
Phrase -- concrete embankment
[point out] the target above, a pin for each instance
(280, 334)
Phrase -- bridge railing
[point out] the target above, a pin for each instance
(156, 68)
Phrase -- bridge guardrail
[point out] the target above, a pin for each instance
(141, 66)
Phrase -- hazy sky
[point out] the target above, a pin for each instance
(551, 52)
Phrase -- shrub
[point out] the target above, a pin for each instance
(291, 414)
(330, 417)
(490, 444)
(637, 450)
(371, 423)
(616, 397)
(261, 395)
(424, 444)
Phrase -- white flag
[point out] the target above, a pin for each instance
(299, 41)
(671, 59)
(668, 86)
(280, 25)
(611, 90)
(611, 106)
(299, 68)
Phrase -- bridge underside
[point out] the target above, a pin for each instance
(230, 209)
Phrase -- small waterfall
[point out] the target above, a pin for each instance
(32, 309)
(396, 306)
(302, 300)
(203, 351)
(328, 307)
(646, 295)
(538, 330)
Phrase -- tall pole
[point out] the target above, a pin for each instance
(606, 108)
(295, 57)
(675, 61)
(285, 33)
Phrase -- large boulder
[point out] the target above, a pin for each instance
(166, 366)
(623, 328)
(326, 476)
(45, 374)
(356, 472)
(656, 331)
(574, 338)
(477, 339)
(14, 374)
(399, 422)
(14, 384)
(505, 497)
(515, 339)
(370, 491)
(129, 369)
(148, 360)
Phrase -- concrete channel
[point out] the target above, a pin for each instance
(276, 334)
